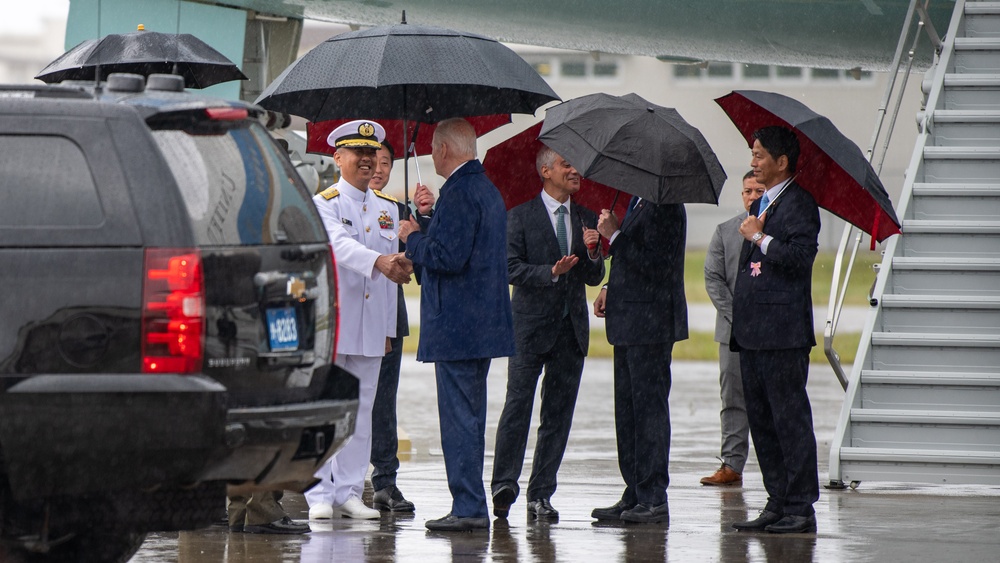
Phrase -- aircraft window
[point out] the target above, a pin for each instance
(543, 69)
(756, 72)
(573, 69)
(606, 69)
(825, 74)
(720, 70)
(787, 72)
(48, 175)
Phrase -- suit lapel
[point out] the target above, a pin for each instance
(633, 214)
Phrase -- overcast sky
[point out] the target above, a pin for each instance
(24, 17)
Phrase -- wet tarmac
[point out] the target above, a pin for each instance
(878, 522)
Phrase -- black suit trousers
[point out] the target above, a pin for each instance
(642, 420)
(385, 442)
(563, 366)
(780, 416)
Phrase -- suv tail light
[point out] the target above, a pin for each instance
(335, 300)
(173, 311)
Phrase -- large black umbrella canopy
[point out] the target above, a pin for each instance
(831, 167)
(145, 53)
(636, 146)
(416, 73)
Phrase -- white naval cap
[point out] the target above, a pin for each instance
(360, 133)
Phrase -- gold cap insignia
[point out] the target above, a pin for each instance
(366, 129)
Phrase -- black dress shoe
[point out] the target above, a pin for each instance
(542, 510)
(452, 523)
(613, 512)
(646, 514)
(284, 526)
(502, 499)
(792, 524)
(390, 499)
(765, 519)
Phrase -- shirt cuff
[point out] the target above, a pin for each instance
(613, 236)
(764, 243)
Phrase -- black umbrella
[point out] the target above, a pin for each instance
(638, 147)
(145, 53)
(417, 73)
(831, 167)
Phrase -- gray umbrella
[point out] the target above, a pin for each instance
(145, 53)
(638, 147)
(416, 73)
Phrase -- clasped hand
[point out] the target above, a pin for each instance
(396, 267)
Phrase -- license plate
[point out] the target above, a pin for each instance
(283, 329)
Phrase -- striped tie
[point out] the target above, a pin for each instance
(561, 230)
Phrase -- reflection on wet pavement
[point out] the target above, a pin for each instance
(879, 522)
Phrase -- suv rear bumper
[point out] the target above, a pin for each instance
(78, 434)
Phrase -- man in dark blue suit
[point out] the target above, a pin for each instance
(773, 332)
(552, 255)
(645, 312)
(465, 314)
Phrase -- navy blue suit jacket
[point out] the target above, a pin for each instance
(538, 302)
(464, 298)
(645, 303)
(772, 304)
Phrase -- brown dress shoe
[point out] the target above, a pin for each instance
(724, 477)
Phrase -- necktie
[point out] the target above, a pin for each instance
(561, 230)
(763, 204)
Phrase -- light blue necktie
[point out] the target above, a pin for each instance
(763, 204)
(561, 230)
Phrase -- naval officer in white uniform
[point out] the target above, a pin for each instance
(362, 226)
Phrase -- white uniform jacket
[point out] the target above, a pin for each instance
(362, 225)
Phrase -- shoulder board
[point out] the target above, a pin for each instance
(385, 196)
(329, 193)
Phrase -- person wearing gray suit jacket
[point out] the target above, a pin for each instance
(552, 253)
(721, 264)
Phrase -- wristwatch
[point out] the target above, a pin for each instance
(757, 236)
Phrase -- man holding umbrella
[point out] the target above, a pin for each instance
(773, 332)
(646, 312)
(465, 313)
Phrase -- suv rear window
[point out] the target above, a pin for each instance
(48, 175)
(237, 188)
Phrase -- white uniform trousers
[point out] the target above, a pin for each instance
(343, 476)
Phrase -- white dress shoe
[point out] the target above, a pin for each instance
(356, 509)
(321, 511)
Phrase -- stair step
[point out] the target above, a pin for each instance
(947, 264)
(979, 55)
(920, 466)
(928, 226)
(952, 418)
(940, 339)
(981, 19)
(966, 116)
(982, 8)
(962, 153)
(977, 43)
(955, 379)
(956, 190)
(940, 302)
(976, 91)
(925, 456)
(962, 164)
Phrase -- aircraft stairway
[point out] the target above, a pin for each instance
(923, 397)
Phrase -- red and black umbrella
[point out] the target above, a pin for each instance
(510, 165)
(831, 167)
(317, 133)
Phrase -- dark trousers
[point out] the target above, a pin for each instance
(642, 420)
(385, 443)
(461, 390)
(563, 366)
(774, 385)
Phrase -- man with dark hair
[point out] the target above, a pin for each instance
(552, 255)
(773, 332)
(721, 264)
(385, 440)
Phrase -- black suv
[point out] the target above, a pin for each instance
(167, 316)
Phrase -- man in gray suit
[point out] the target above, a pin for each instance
(552, 252)
(721, 264)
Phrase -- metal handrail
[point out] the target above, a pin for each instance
(838, 287)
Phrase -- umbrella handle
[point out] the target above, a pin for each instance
(416, 163)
